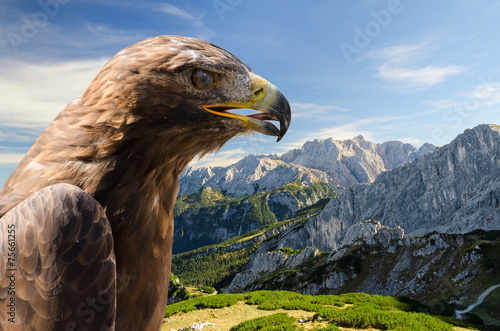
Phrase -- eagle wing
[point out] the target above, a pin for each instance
(57, 263)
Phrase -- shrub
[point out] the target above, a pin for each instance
(278, 322)
(367, 311)
(218, 301)
(370, 315)
(270, 300)
(331, 327)
(214, 301)
(207, 289)
(289, 251)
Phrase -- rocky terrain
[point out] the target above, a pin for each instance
(375, 259)
(253, 174)
(455, 189)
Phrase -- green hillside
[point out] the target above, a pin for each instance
(209, 216)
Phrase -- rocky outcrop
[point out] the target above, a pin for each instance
(253, 174)
(263, 265)
(176, 291)
(429, 269)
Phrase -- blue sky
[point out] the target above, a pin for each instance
(416, 71)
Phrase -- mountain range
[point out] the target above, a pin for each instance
(395, 220)
(336, 162)
(217, 203)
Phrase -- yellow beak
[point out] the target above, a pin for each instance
(267, 99)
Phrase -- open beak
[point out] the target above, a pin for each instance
(267, 99)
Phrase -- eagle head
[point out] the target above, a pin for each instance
(187, 87)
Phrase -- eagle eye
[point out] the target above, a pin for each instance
(201, 79)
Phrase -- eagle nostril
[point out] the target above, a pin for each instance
(258, 94)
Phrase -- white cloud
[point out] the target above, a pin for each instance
(33, 94)
(405, 66)
(173, 10)
(420, 78)
(487, 94)
(220, 159)
(371, 128)
(483, 95)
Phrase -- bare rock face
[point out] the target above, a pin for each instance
(354, 161)
(263, 265)
(370, 233)
(253, 174)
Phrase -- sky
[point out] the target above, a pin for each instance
(416, 71)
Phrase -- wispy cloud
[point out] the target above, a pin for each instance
(370, 128)
(220, 159)
(204, 32)
(406, 65)
(312, 110)
(483, 95)
(113, 35)
(486, 94)
(33, 94)
(420, 78)
(176, 11)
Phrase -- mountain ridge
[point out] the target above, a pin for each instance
(356, 160)
(335, 162)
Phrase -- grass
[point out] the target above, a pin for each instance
(281, 310)
(289, 252)
(228, 317)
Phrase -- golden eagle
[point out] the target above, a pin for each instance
(86, 224)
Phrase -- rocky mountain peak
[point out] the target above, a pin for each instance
(354, 161)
